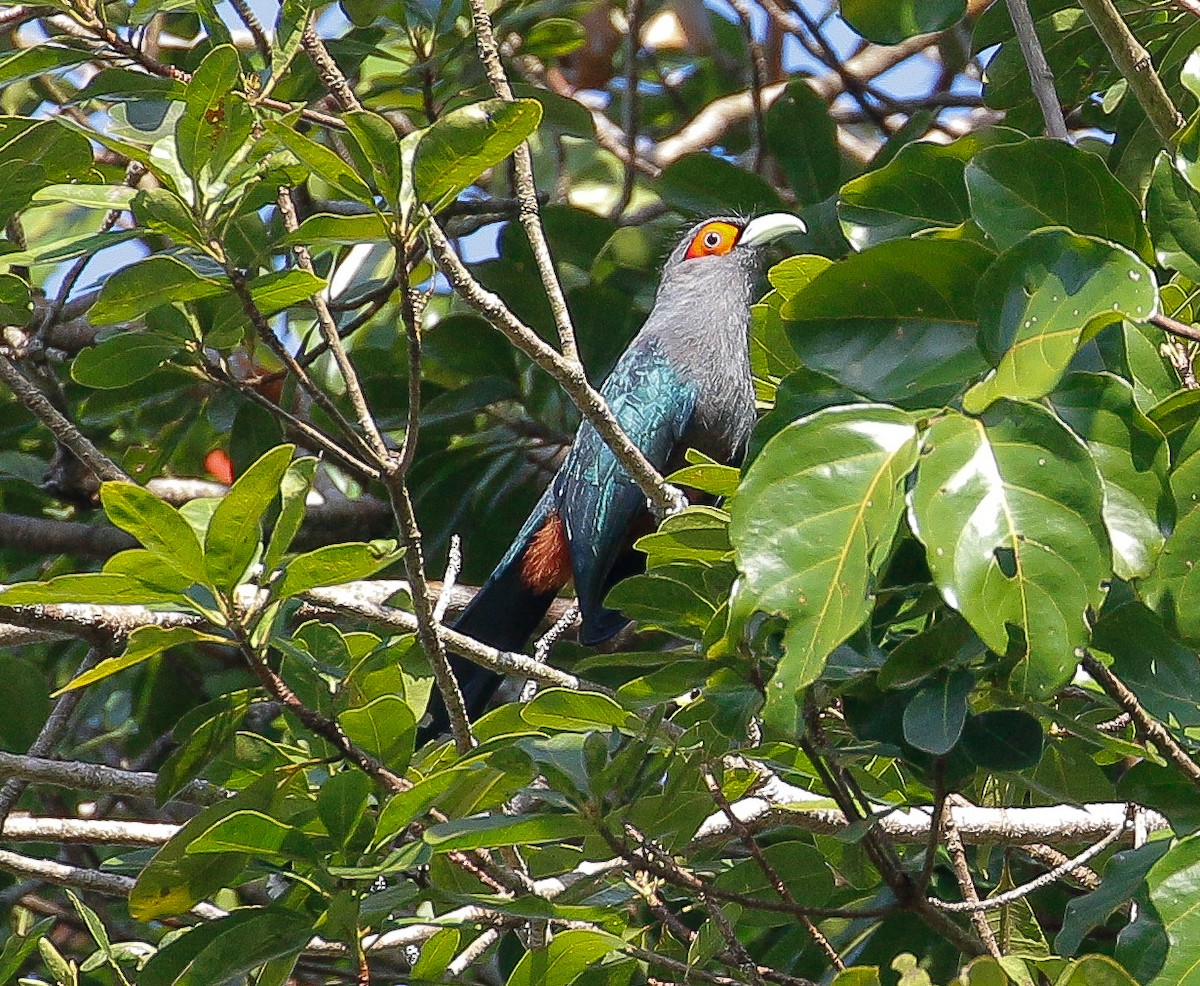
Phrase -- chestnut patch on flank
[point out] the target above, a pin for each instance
(546, 566)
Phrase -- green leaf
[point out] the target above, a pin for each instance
(1036, 301)
(104, 588)
(803, 137)
(561, 708)
(157, 525)
(38, 59)
(892, 21)
(15, 303)
(293, 496)
(385, 726)
(1016, 189)
(343, 802)
(377, 140)
(568, 955)
(801, 867)
(1009, 508)
(1124, 874)
(216, 122)
(933, 720)
(896, 322)
(503, 830)
(219, 951)
(436, 954)
(322, 163)
(1174, 883)
(161, 210)
(255, 834)
(1173, 215)
(1163, 673)
(921, 188)
(467, 141)
(121, 360)
(201, 734)
(1003, 739)
(28, 704)
(144, 643)
(701, 184)
(1132, 456)
(343, 230)
(159, 280)
(88, 196)
(235, 531)
(811, 526)
(334, 564)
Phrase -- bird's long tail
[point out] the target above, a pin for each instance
(506, 611)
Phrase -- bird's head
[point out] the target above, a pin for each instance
(727, 244)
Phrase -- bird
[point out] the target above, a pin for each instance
(683, 382)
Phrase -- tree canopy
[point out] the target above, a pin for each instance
(300, 315)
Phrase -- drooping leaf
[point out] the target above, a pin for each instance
(334, 564)
(1009, 508)
(142, 287)
(121, 360)
(1018, 188)
(896, 322)
(1173, 215)
(144, 643)
(1037, 300)
(811, 525)
(1132, 456)
(1174, 883)
(933, 720)
(157, 525)
(921, 188)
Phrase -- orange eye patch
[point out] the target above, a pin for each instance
(713, 239)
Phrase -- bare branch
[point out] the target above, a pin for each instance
(1040, 76)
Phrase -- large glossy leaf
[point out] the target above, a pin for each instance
(1173, 589)
(464, 143)
(891, 21)
(803, 137)
(1009, 507)
(334, 564)
(1016, 189)
(702, 184)
(1036, 301)
(1163, 673)
(922, 187)
(1132, 455)
(896, 322)
(811, 524)
(1173, 215)
(1174, 883)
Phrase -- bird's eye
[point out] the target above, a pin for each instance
(712, 239)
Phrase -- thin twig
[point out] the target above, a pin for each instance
(1135, 65)
(758, 79)
(962, 873)
(70, 436)
(633, 30)
(978, 906)
(529, 214)
(329, 330)
(569, 375)
(1040, 76)
(454, 561)
(1150, 727)
(254, 26)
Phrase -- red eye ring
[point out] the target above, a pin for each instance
(713, 239)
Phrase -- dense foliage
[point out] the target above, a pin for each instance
(915, 702)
